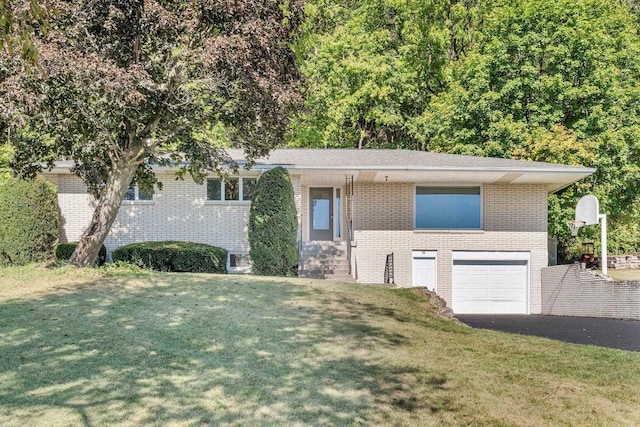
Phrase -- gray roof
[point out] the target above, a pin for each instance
(328, 167)
(302, 158)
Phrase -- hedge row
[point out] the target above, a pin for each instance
(28, 221)
(63, 252)
(174, 256)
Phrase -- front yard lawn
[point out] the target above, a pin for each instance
(81, 348)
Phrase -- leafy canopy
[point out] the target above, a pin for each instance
(130, 83)
(135, 80)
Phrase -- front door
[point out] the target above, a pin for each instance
(321, 214)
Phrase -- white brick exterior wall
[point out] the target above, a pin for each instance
(178, 212)
(514, 219)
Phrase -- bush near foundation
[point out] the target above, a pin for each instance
(29, 221)
(174, 256)
(63, 252)
(273, 225)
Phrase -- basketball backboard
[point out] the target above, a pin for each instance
(588, 210)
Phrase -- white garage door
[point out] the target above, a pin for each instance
(490, 287)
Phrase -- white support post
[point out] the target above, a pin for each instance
(603, 242)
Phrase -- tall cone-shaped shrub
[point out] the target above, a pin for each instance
(273, 225)
(28, 221)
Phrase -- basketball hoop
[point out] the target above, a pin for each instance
(574, 226)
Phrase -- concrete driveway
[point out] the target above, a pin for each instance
(612, 333)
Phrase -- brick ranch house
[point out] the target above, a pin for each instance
(473, 229)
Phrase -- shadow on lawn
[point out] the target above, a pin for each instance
(209, 350)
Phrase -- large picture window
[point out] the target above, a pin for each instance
(448, 208)
(230, 189)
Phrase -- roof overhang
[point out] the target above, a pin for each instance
(552, 180)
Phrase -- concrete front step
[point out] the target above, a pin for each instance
(343, 277)
(324, 271)
(324, 259)
(340, 278)
(327, 263)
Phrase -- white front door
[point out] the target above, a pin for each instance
(424, 269)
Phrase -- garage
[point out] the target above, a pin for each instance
(490, 283)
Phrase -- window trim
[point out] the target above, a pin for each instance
(240, 199)
(136, 197)
(445, 185)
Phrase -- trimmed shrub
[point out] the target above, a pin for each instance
(174, 256)
(29, 221)
(63, 252)
(273, 225)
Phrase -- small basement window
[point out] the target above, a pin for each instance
(239, 263)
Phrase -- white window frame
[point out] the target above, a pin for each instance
(136, 197)
(222, 189)
(444, 185)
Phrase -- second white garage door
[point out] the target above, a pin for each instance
(490, 287)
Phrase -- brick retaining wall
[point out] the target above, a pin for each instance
(568, 291)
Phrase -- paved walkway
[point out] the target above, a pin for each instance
(612, 333)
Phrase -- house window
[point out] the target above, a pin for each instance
(239, 263)
(137, 194)
(230, 189)
(448, 208)
(248, 185)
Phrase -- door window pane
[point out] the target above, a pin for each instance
(321, 214)
(338, 213)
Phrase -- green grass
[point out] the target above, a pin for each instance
(81, 347)
(623, 274)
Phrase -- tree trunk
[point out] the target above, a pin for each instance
(105, 213)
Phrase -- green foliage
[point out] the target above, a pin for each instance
(174, 256)
(28, 221)
(372, 67)
(554, 81)
(273, 225)
(126, 84)
(63, 252)
(6, 153)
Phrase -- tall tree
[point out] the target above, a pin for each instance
(556, 81)
(128, 83)
(372, 67)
